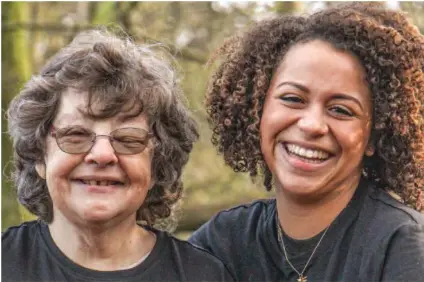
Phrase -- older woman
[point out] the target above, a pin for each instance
(100, 137)
(329, 108)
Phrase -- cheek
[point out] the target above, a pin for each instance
(353, 140)
(58, 170)
(272, 123)
(267, 124)
(275, 118)
(60, 165)
(138, 170)
(264, 133)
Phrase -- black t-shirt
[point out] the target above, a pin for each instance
(375, 238)
(30, 254)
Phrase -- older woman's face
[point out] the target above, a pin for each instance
(316, 120)
(100, 185)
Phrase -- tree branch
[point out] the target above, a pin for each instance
(185, 53)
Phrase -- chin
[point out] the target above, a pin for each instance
(97, 216)
(98, 212)
(299, 186)
(297, 190)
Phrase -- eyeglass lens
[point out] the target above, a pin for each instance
(78, 140)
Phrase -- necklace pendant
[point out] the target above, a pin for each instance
(302, 279)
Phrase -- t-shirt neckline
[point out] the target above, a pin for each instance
(338, 227)
(86, 273)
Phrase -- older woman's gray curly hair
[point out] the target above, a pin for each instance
(121, 76)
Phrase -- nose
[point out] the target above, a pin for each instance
(312, 122)
(102, 152)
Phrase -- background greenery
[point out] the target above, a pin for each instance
(34, 31)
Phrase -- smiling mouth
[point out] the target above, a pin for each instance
(100, 183)
(305, 154)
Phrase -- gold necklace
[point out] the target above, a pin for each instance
(301, 278)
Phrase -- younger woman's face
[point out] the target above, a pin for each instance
(316, 121)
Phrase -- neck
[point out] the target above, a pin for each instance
(99, 247)
(302, 220)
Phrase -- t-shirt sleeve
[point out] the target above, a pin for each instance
(227, 277)
(405, 255)
(216, 237)
(229, 234)
(203, 237)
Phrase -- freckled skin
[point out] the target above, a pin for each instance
(317, 96)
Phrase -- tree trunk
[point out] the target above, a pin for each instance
(16, 70)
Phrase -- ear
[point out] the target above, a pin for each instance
(370, 150)
(41, 170)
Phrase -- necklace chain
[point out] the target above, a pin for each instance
(281, 241)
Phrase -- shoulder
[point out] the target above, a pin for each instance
(192, 259)
(19, 235)
(20, 246)
(392, 212)
(398, 234)
(254, 207)
(391, 225)
(224, 230)
(192, 252)
(243, 215)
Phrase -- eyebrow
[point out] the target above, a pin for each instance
(128, 116)
(294, 84)
(83, 115)
(338, 96)
(341, 96)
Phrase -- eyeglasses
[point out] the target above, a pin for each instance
(79, 140)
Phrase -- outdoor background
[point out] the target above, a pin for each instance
(32, 32)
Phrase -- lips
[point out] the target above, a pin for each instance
(306, 157)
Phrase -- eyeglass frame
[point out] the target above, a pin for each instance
(53, 132)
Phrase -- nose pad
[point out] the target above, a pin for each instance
(102, 152)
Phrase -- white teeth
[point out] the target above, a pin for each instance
(306, 153)
(310, 153)
(100, 183)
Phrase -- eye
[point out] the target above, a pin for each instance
(291, 99)
(73, 135)
(131, 141)
(341, 111)
(130, 137)
(75, 131)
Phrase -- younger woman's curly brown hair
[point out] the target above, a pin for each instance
(388, 46)
(110, 70)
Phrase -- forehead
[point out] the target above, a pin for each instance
(73, 108)
(319, 64)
